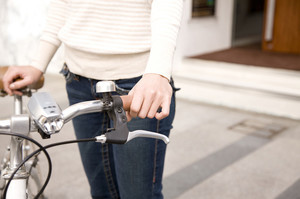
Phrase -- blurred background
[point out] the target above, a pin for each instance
(236, 133)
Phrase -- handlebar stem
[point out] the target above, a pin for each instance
(18, 106)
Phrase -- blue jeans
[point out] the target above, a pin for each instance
(130, 171)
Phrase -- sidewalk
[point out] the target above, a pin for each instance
(214, 153)
(223, 153)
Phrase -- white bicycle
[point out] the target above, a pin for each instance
(19, 169)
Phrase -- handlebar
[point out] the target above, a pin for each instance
(91, 107)
(47, 117)
(5, 125)
(53, 123)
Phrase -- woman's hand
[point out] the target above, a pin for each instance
(27, 74)
(152, 92)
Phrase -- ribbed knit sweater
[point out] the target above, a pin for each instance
(112, 39)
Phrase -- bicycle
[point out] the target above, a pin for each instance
(45, 117)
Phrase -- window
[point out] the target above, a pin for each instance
(202, 8)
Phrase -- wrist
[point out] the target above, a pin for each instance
(156, 75)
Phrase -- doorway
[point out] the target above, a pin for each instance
(247, 22)
(247, 40)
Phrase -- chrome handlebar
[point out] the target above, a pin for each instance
(81, 108)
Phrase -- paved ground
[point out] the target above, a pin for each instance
(214, 153)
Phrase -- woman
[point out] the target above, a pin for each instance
(131, 42)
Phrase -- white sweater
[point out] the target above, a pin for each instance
(112, 39)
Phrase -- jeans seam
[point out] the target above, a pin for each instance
(108, 174)
(154, 160)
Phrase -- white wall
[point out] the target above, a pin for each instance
(21, 23)
(206, 34)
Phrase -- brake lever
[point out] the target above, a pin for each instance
(120, 133)
(147, 134)
(135, 134)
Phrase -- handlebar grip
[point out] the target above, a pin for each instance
(39, 84)
(126, 99)
(35, 86)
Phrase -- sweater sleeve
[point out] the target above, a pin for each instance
(165, 21)
(49, 41)
(43, 56)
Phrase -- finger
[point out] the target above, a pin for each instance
(129, 118)
(16, 92)
(21, 83)
(126, 99)
(6, 87)
(165, 110)
(145, 107)
(154, 107)
(136, 105)
(7, 79)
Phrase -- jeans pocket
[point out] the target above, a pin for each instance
(121, 91)
(69, 76)
(175, 89)
(124, 86)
